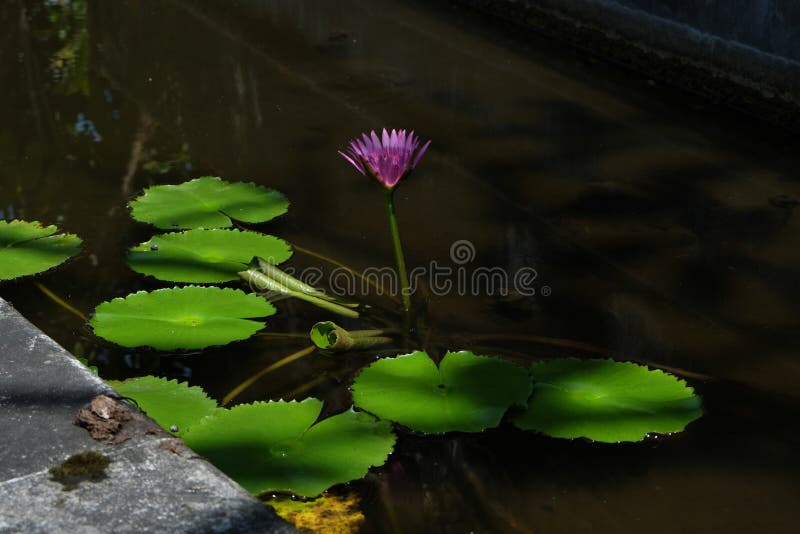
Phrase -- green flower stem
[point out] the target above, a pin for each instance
(398, 252)
(262, 282)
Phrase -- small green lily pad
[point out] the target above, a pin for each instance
(189, 317)
(28, 248)
(174, 405)
(607, 401)
(207, 202)
(277, 446)
(205, 256)
(467, 393)
(324, 334)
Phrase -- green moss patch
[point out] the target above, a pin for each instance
(85, 466)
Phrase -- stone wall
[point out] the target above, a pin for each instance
(771, 26)
(742, 52)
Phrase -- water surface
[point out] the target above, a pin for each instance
(661, 226)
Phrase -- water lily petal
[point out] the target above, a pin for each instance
(388, 157)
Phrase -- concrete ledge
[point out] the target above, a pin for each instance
(153, 483)
(761, 82)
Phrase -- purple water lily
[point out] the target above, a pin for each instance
(387, 159)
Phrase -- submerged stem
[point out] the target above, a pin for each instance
(299, 390)
(371, 280)
(235, 392)
(290, 335)
(584, 347)
(398, 253)
(61, 302)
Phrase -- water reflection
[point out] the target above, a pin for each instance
(69, 65)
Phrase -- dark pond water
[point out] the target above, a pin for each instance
(662, 229)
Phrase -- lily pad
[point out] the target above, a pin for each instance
(29, 248)
(174, 405)
(205, 256)
(466, 393)
(207, 202)
(189, 317)
(607, 401)
(277, 445)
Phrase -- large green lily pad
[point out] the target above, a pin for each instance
(29, 248)
(607, 401)
(207, 202)
(276, 446)
(174, 405)
(466, 393)
(205, 256)
(189, 317)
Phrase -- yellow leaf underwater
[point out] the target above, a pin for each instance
(329, 514)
